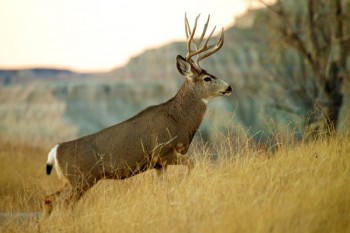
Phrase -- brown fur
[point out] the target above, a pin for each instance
(148, 139)
(156, 137)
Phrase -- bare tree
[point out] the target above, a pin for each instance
(318, 30)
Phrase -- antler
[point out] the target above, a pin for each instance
(198, 50)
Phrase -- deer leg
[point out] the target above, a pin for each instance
(73, 197)
(185, 160)
(161, 172)
(77, 191)
(175, 158)
(51, 200)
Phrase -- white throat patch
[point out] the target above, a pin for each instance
(205, 101)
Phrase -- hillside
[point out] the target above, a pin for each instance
(61, 104)
(24, 76)
(80, 104)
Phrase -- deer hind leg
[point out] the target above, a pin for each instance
(73, 197)
(67, 196)
(51, 200)
(79, 187)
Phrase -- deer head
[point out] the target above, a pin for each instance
(204, 84)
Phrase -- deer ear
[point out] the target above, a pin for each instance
(184, 67)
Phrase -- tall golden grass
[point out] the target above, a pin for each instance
(301, 187)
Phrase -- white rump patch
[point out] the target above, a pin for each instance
(52, 160)
(52, 155)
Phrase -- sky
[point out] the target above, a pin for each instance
(98, 35)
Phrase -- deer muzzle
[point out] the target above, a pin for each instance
(227, 92)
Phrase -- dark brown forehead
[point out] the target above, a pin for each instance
(204, 72)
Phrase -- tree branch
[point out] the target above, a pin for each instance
(315, 46)
(287, 31)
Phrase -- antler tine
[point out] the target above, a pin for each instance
(187, 27)
(207, 40)
(189, 36)
(216, 46)
(203, 33)
(205, 48)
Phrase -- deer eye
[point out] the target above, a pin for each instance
(207, 79)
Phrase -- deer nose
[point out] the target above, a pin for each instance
(229, 89)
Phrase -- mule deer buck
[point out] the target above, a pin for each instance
(155, 138)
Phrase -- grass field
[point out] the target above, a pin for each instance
(301, 187)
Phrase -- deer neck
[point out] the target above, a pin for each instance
(188, 108)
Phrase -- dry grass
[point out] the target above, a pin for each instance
(300, 188)
(22, 179)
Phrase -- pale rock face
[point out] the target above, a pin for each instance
(81, 104)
